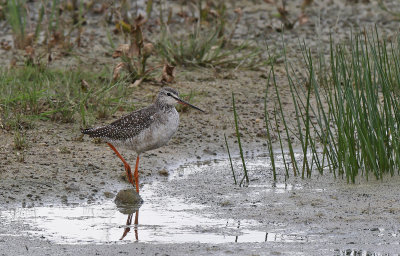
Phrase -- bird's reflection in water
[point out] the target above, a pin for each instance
(128, 202)
(128, 225)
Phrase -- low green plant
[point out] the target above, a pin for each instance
(134, 56)
(205, 48)
(30, 92)
(19, 140)
(18, 18)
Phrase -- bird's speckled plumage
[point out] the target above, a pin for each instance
(144, 129)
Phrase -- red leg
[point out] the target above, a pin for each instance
(127, 229)
(127, 167)
(128, 224)
(136, 174)
(136, 225)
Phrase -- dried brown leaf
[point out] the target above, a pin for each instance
(214, 13)
(5, 45)
(134, 50)
(136, 83)
(303, 19)
(122, 50)
(56, 38)
(140, 20)
(136, 41)
(136, 36)
(182, 14)
(168, 73)
(238, 11)
(306, 3)
(84, 85)
(117, 70)
(148, 49)
(29, 52)
(282, 11)
(29, 39)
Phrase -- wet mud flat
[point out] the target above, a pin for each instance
(200, 211)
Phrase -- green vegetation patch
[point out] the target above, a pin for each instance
(347, 111)
(71, 95)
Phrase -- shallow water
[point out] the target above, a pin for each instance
(160, 219)
(166, 219)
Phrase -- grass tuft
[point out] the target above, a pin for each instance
(29, 93)
(19, 140)
(205, 48)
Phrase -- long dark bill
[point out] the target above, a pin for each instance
(180, 101)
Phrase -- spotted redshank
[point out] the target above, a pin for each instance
(143, 130)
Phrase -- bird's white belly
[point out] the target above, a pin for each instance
(157, 135)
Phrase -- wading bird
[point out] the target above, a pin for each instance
(143, 130)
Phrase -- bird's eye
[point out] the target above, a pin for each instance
(168, 94)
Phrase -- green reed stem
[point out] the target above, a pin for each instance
(269, 140)
(239, 142)
(230, 159)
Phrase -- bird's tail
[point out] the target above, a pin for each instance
(91, 132)
(97, 132)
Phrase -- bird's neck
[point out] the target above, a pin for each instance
(165, 107)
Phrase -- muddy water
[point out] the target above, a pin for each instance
(160, 220)
(200, 204)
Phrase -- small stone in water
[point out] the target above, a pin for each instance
(128, 201)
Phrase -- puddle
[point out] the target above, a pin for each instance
(166, 219)
(161, 220)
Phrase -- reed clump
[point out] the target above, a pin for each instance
(351, 127)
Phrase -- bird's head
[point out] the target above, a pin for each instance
(170, 97)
